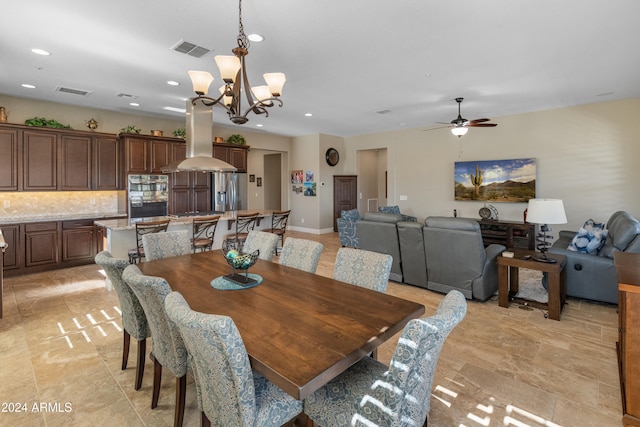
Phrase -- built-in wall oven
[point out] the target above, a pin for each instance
(148, 195)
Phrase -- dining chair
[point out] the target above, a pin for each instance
(168, 350)
(302, 254)
(244, 222)
(363, 268)
(370, 393)
(165, 245)
(232, 394)
(134, 321)
(265, 242)
(142, 228)
(279, 225)
(204, 229)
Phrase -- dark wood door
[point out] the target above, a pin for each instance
(75, 168)
(40, 161)
(345, 195)
(9, 155)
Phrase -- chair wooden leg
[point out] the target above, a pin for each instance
(426, 421)
(142, 348)
(125, 349)
(204, 421)
(181, 392)
(157, 379)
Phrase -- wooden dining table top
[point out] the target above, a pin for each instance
(300, 329)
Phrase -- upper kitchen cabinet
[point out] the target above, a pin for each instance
(75, 162)
(40, 160)
(107, 163)
(146, 154)
(235, 155)
(10, 154)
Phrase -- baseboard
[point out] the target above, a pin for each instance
(311, 230)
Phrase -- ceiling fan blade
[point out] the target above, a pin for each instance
(482, 125)
(439, 127)
(479, 120)
(444, 123)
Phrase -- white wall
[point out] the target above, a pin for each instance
(587, 155)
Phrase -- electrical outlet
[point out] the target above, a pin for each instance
(403, 197)
(7, 203)
(302, 220)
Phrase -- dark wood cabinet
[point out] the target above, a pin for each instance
(107, 164)
(511, 234)
(235, 155)
(78, 240)
(41, 243)
(189, 191)
(40, 160)
(12, 258)
(146, 154)
(10, 159)
(628, 346)
(75, 162)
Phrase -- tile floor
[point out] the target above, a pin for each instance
(61, 345)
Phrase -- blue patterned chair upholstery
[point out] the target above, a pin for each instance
(370, 393)
(347, 228)
(232, 395)
(302, 254)
(134, 321)
(168, 350)
(396, 210)
(363, 268)
(265, 242)
(165, 245)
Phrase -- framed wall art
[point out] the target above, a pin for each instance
(495, 180)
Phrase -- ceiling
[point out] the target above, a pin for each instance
(346, 62)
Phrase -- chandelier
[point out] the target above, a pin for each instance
(233, 72)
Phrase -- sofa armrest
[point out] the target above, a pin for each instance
(487, 285)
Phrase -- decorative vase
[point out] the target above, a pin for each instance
(3, 115)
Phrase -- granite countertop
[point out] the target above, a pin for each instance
(58, 217)
(130, 224)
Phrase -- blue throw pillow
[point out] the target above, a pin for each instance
(590, 238)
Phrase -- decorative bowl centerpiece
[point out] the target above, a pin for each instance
(238, 260)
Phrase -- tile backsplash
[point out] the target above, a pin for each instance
(52, 203)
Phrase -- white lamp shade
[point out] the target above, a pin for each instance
(201, 81)
(459, 130)
(546, 211)
(275, 81)
(226, 99)
(228, 66)
(261, 92)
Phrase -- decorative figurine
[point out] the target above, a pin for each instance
(92, 124)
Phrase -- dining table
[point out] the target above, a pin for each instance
(300, 329)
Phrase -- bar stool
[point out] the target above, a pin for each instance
(279, 225)
(204, 228)
(244, 222)
(142, 228)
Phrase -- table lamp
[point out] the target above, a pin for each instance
(545, 212)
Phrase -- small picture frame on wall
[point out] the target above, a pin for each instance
(259, 182)
(252, 178)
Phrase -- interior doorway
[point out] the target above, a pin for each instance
(373, 181)
(272, 181)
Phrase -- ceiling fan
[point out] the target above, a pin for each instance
(460, 125)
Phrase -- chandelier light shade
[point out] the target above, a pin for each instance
(544, 212)
(459, 131)
(233, 72)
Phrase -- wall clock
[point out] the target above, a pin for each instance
(332, 157)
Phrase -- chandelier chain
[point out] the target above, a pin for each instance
(242, 39)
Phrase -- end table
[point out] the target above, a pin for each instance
(556, 279)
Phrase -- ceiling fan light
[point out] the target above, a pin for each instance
(228, 66)
(275, 82)
(201, 81)
(459, 130)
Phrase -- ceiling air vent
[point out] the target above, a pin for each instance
(73, 91)
(190, 49)
(125, 95)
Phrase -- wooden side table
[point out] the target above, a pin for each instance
(556, 278)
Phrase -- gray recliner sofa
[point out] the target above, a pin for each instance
(377, 232)
(593, 276)
(457, 259)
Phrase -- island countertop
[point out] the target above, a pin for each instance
(130, 224)
(24, 219)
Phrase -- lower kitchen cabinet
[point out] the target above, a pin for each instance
(78, 241)
(11, 234)
(41, 244)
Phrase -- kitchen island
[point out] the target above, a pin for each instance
(121, 233)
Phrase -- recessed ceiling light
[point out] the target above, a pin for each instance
(40, 52)
(173, 83)
(308, 115)
(175, 110)
(255, 37)
(28, 86)
(259, 125)
(134, 104)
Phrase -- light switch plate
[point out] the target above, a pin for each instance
(403, 197)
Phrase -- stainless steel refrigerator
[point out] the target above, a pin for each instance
(229, 191)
